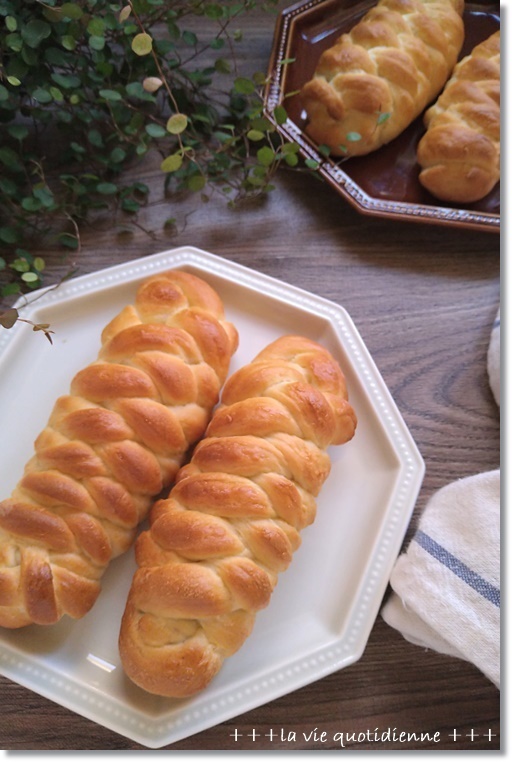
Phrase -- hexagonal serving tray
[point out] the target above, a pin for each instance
(325, 604)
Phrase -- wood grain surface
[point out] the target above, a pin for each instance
(424, 299)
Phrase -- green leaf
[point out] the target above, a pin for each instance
(8, 186)
(14, 81)
(41, 95)
(96, 27)
(173, 30)
(265, 156)
(324, 150)
(30, 56)
(56, 94)
(172, 163)
(255, 135)
(107, 189)
(20, 265)
(222, 66)
(196, 183)
(311, 163)
(67, 81)
(383, 117)
(31, 204)
(130, 205)
(44, 195)
(280, 115)
(142, 44)
(65, 117)
(177, 123)
(255, 180)
(10, 159)
(14, 42)
(96, 43)
(353, 137)
(290, 148)
(68, 41)
(95, 139)
(10, 288)
(71, 11)
(4, 93)
(213, 11)
(141, 188)
(259, 78)
(103, 69)
(189, 38)
(135, 90)
(243, 86)
(291, 159)
(29, 277)
(111, 95)
(8, 235)
(57, 57)
(117, 155)
(68, 240)
(11, 23)
(155, 130)
(34, 32)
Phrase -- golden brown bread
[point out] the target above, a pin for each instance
(459, 154)
(376, 79)
(232, 521)
(110, 446)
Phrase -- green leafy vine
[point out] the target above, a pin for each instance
(87, 88)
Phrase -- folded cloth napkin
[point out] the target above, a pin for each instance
(446, 586)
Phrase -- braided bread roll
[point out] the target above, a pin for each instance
(110, 446)
(459, 154)
(232, 521)
(375, 80)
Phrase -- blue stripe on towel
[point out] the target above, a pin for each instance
(459, 568)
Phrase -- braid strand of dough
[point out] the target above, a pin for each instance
(232, 521)
(110, 446)
(459, 154)
(376, 79)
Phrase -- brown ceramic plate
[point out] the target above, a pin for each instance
(384, 183)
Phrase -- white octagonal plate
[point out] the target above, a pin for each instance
(325, 604)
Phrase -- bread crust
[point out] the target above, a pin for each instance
(110, 446)
(459, 154)
(376, 79)
(232, 521)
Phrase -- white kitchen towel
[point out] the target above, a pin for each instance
(446, 586)
(493, 359)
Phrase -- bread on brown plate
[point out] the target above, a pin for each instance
(376, 79)
(459, 154)
(110, 446)
(232, 521)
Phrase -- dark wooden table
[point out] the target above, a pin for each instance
(424, 299)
